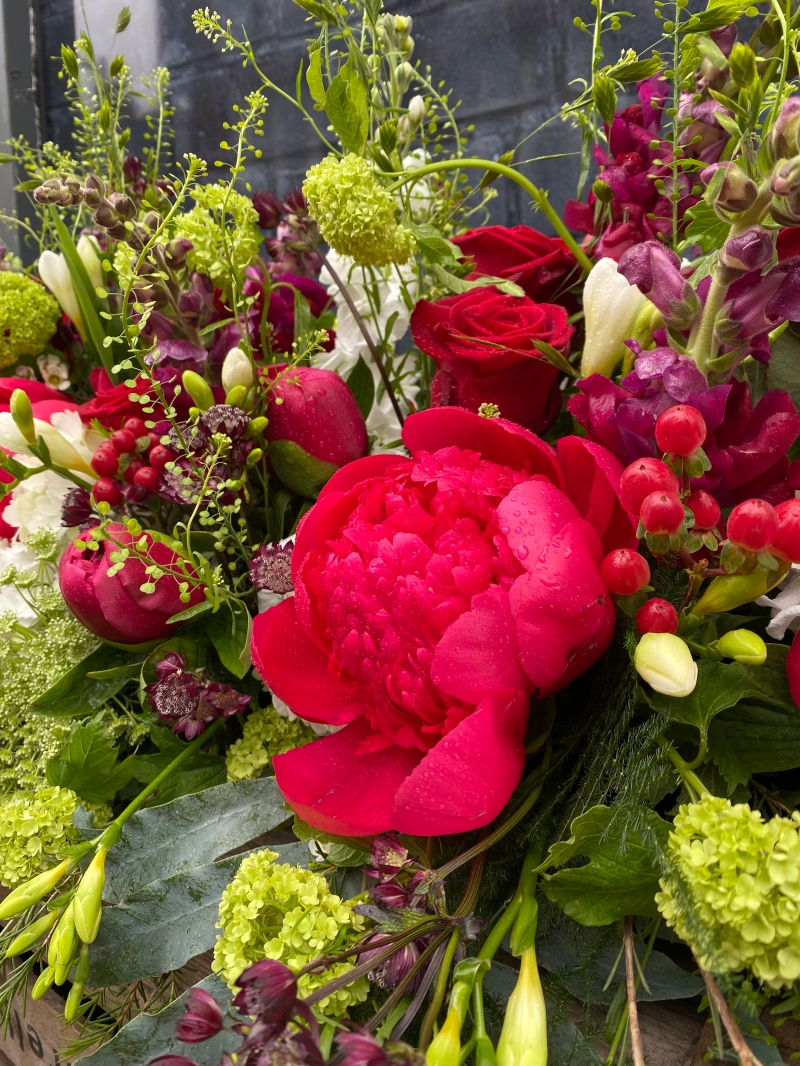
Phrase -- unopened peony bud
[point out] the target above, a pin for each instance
(89, 252)
(199, 389)
(54, 272)
(523, 1041)
(611, 306)
(31, 892)
(416, 110)
(664, 661)
(737, 192)
(22, 413)
(87, 903)
(743, 646)
(237, 370)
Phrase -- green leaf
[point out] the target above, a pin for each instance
(436, 248)
(318, 10)
(621, 876)
(459, 285)
(314, 77)
(194, 830)
(229, 630)
(303, 321)
(303, 831)
(346, 107)
(123, 20)
(555, 358)
(362, 385)
(342, 855)
(719, 686)
(783, 369)
(705, 227)
(636, 69)
(76, 693)
(729, 124)
(198, 772)
(149, 1036)
(718, 13)
(88, 764)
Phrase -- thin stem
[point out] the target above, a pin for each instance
(740, 1045)
(426, 1032)
(686, 774)
(373, 350)
(630, 985)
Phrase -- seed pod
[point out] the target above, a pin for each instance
(28, 937)
(32, 891)
(256, 427)
(87, 903)
(22, 413)
(237, 397)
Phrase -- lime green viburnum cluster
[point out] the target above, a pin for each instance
(264, 735)
(28, 317)
(223, 229)
(34, 828)
(283, 912)
(733, 890)
(355, 214)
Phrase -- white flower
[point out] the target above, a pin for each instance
(14, 553)
(55, 373)
(421, 196)
(36, 504)
(785, 605)
(89, 251)
(26, 372)
(665, 663)
(611, 307)
(237, 370)
(54, 272)
(71, 445)
(416, 110)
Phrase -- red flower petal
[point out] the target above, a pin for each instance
(336, 789)
(591, 480)
(296, 671)
(530, 516)
(467, 779)
(461, 665)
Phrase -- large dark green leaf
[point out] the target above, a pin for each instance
(621, 876)
(362, 385)
(77, 693)
(229, 630)
(198, 772)
(88, 764)
(347, 109)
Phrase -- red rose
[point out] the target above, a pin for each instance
(433, 597)
(111, 404)
(482, 344)
(542, 265)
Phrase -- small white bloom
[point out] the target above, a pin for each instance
(416, 110)
(237, 370)
(14, 553)
(54, 371)
(70, 445)
(665, 663)
(26, 372)
(54, 272)
(89, 251)
(611, 307)
(36, 504)
(785, 605)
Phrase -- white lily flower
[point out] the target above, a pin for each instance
(611, 307)
(785, 606)
(666, 664)
(54, 272)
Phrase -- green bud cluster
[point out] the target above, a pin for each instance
(283, 912)
(355, 214)
(732, 890)
(34, 828)
(223, 229)
(28, 317)
(264, 735)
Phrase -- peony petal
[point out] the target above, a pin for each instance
(497, 440)
(461, 665)
(467, 779)
(336, 789)
(530, 516)
(591, 479)
(297, 672)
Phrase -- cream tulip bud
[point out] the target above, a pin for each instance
(89, 252)
(416, 110)
(743, 646)
(54, 272)
(611, 307)
(523, 1041)
(666, 664)
(237, 370)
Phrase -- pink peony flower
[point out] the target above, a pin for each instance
(434, 597)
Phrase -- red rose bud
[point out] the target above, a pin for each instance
(752, 525)
(202, 1018)
(680, 430)
(624, 572)
(705, 509)
(643, 477)
(662, 513)
(541, 265)
(786, 544)
(657, 616)
(655, 270)
(314, 428)
(737, 192)
(112, 606)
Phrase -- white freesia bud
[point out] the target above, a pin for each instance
(62, 451)
(89, 251)
(523, 1041)
(54, 272)
(237, 370)
(665, 663)
(416, 110)
(611, 307)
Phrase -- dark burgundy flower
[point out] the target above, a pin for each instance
(271, 568)
(268, 207)
(268, 991)
(219, 700)
(76, 508)
(226, 419)
(390, 972)
(186, 700)
(202, 1018)
(362, 1049)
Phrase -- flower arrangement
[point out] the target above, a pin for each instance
(397, 604)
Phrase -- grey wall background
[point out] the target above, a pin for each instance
(510, 62)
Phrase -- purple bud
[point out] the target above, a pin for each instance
(178, 249)
(752, 249)
(783, 140)
(76, 507)
(202, 1019)
(737, 192)
(294, 203)
(655, 270)
(758, 305)
(268, 207)
(785, 210)
(190, 304)
(105, 216)
(785, 179)
(123, 205)
(132, 168)
(268, 993)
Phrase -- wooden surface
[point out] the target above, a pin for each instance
(36, 1032)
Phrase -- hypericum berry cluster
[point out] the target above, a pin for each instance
(129, 464)
(759, 533)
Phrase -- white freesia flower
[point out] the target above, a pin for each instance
(54, 371)
(54, 272)
(385, 287)
(785, 605)
(611, 307)
(70, 445)
(36, 504)
(237, 369)
(89, 251)
(665, 663)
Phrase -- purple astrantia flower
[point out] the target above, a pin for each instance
(202, 1019)
(271, 568)
(77, 509)
(187, 700)
(184, 481)
(362, 1049)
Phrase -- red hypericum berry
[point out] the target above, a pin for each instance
(160, 456)
(705, 509)
(643, 477)
(661, 513)
(133, 466)
(155, 439)
(657, 616)
(122, 441)
(787, 543)
(147, 477)
(680, 430)
(105, 461)
(752, 525)
(624, 572)
(135, 426)
(106, 491)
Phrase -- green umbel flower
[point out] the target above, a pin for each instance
(265, 734)
(733, 889)
(277, 911)
(28, 317)
(355, 214)
(34, 828)
(223, 229)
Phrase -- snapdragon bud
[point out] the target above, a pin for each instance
(736, 193)
(743, 646)
(87, 902)
(655, 270)
(603, 191)
(237, 370)
(123, 205)
(785, 180)
(95, 191)
(199, 389)
(664, 661)
(256, 427)
(22, 413)
(750, 250)
(783, 141)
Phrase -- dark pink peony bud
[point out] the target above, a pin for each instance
(655, 270)
(202, 1019)
(172, 1060)
(315, 427)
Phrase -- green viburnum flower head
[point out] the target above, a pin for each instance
(34, 828)
(283, 912)
(356, 214)
(732, 891)
(264, 735)
(28, 317)
(223, 229)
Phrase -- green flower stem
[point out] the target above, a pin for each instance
(704, 347)
(538, 196)
(426, 1032)
(685, 769)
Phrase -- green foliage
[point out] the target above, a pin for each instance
(79, 691)
(223, 229)
(200, 771)
(346, 107)
(705, 227)
(28, 317)
(265, 734)
(362, 385)
(34, 828)
(229, 630)
(88, 763)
